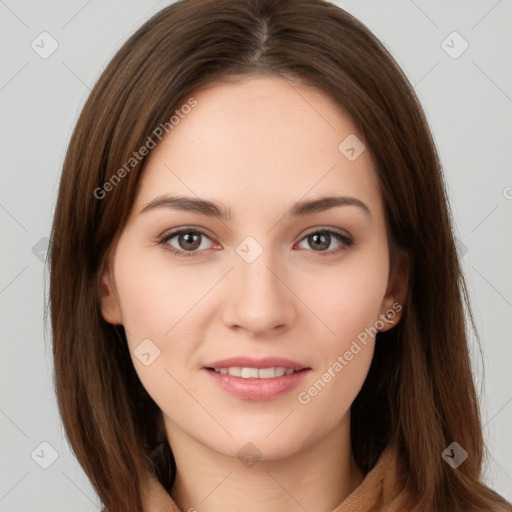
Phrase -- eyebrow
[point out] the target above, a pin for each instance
(212, 209)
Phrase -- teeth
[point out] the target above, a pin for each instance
(266, 373)
(255, 373)
(249, 373)
(280, 371)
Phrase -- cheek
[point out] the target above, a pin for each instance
(154, 307)
(348, 302)
(163, 316)
(155, 297)
(348, 298)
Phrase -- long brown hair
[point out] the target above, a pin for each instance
(419, 394)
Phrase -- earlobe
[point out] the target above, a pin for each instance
(396, 293)
(110, 309)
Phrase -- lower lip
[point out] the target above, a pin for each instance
(258, 389)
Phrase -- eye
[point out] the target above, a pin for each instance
(188, 242)
(321, 240)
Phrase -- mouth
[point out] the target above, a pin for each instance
(247, 372)
(256, 379)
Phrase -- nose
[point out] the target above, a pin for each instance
(259, 299)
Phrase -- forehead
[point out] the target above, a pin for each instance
(260, 139)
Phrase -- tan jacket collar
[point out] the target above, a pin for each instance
(384, 489)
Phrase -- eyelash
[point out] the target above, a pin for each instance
(164, 239)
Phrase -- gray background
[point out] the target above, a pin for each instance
(468, 101)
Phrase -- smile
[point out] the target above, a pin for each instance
(257, 388)
(255, 373)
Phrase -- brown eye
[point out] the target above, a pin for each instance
(189, 242)
(321, 241)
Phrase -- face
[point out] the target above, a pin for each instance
(269, 279)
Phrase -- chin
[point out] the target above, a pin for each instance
(258, 443)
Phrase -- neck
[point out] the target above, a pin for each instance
(318, 477)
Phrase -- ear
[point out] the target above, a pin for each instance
(110, 309)
(396, 293)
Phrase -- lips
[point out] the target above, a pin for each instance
(249, 362)
(255, 373)
(256, 379)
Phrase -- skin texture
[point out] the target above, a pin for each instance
(257, 146)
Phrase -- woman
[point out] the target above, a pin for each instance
(255, 294)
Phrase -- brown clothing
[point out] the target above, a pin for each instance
(384, 489)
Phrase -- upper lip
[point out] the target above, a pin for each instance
(250, 362)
